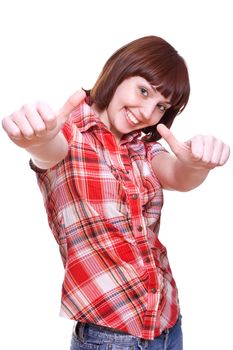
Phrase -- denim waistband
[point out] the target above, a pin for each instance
(100, 331)
(82, 329)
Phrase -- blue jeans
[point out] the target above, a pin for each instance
(92, 337)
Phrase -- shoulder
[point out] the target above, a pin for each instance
(153, 149)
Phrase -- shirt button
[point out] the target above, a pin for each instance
(135, 196)
(147, 260)
(153, 290)
(139, 228)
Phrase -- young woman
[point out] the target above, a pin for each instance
(101, 172)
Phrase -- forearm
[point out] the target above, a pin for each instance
(185, 178)
(50, 153)
(174, 174)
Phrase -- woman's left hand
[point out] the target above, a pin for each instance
(200, 152)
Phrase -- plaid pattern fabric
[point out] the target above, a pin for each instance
(103, 204)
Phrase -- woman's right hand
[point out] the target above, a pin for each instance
(36, 124)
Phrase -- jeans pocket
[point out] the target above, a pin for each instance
(77, 344)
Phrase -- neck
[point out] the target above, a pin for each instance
(103, 116)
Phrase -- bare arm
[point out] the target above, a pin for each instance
(191, 162)
(37, 129)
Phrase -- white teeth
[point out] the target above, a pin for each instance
(132, 117)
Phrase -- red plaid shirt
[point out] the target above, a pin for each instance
(103, 203)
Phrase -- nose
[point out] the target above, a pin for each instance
(147, 109)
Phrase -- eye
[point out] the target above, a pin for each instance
(162, 108)
(144, 91)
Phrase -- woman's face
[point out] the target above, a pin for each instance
(135, 105)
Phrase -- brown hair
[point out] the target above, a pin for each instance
(155, 60)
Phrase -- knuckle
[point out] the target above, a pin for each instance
(40, 105)
(228, 149)
(50, 122)
(29, 110)
(26, 106)
(15, 134)
(29, 135)
(50, 118)
(40, 129)
(15, 115)
(197, 138)
(212, 141)
(206, 159)
(218, 141)
(197, 157)
(4, 121)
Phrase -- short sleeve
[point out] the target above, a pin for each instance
(35, 168)
(153, 149)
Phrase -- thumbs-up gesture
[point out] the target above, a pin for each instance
(200, 152)
(36, 124)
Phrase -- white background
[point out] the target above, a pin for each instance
(49, 49)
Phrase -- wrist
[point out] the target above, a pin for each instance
(49, 153)
(189, 176)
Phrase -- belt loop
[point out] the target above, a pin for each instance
(143, 344)
(166, 339)
(79, 329)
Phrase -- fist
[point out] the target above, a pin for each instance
(203, 152)
(36, 124)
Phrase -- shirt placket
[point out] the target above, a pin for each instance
(139, 232)
(140, 236)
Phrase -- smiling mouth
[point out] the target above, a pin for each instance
(131, 118)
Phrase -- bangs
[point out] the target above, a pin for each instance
(172, 82)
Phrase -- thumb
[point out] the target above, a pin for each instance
(72, 102)
(168, 136)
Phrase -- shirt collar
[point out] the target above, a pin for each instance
(85, 118)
